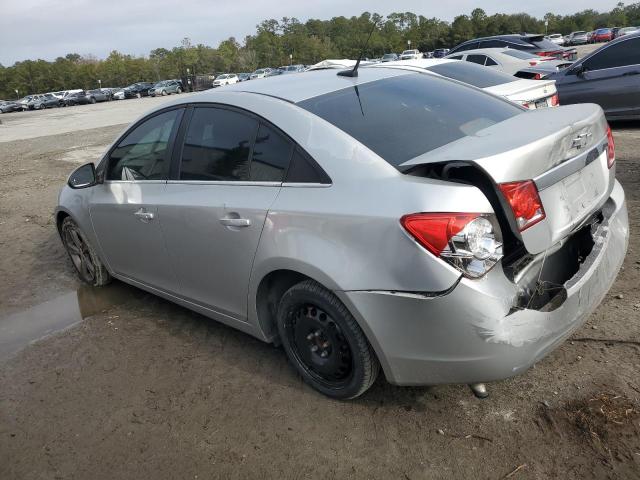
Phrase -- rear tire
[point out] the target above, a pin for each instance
(85, 260)
(138, 95)
(324, 342)
(92, 100)
(179, 90)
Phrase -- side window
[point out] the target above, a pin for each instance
(271, 155)
(468, 46)
(145, 153)
(304, 169)
(619, 55)
(456, 57)
(490, 62)
(217, 145)
(491, 44)
(479, 59)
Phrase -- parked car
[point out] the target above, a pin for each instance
(24, 101)
(7, 106)
(118, 94)
(602, 35)
(530, 94)
(40, 102)
(243, 77)
(137, 90)
(508, 60)
(410, 54)
(440, 53)
(479, 261)
(165, 87)
(98, 95)
(536, 44)
(261, 73)
(225, 79)
(390, 57)
(626, 31)
(556, 38)
(292, 69)
(577, 38)
(609, 77)
(77, 98)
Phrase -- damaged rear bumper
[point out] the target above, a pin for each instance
(478, 331)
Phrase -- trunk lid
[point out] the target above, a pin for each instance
(563, 150)
(526, 91)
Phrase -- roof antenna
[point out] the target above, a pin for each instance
(354, 72)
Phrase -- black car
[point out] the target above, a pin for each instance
(535, 44)
(137, 90)
(610, 77)
(8, 106)
(76, 98)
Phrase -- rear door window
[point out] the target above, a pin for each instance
(490, 62)
(217, 145)
(621, 54)
(479, 59)
(271, 155)
(405, 116)
(144, 153)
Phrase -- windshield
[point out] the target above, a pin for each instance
(471, 73)
(259, 71)
(389, 55)
(405, 116)
(408, 52)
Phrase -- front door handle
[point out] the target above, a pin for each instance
(235, 222)
(143, 215)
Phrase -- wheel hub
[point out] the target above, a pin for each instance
(319, 343)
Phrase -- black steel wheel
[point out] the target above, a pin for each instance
(84, 258)
(324, 342)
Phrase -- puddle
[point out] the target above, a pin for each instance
(21, 328)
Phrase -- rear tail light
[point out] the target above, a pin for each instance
(525, 202)
(525, 104)
(555, 100)
(533, 63)
(537, 76)
(469, 241)
(611, 148)
(548, 54)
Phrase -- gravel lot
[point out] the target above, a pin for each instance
(142, 388)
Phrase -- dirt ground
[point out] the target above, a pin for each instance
(146, 389)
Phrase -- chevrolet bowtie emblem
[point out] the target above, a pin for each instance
(581, 140)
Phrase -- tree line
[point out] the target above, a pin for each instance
(279, 42)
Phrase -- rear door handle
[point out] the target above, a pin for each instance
(235, 222)
(143, 215)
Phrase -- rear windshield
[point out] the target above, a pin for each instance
(473, 74)
(519, 54)
(402, 117)
(545, 44)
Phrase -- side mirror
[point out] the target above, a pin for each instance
(579, 71)
(83, 177)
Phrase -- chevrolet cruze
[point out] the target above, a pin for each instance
(392, 221)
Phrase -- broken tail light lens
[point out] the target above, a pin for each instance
(611, 148)
(525, 202)
(470, 242)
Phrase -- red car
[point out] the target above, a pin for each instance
(602, 35)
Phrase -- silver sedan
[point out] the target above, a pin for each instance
(394, 221)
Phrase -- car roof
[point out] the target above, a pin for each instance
(296, 88)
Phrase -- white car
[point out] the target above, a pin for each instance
(410, 55)
(507, 60)
(556, 38)
(119, 95)
(531, 94)
(261, 73)
(225, 79)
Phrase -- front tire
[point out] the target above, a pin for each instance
(138, 95)
(179, 90)
(324, 342)
(85, 260)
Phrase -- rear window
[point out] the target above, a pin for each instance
(545, 44)
(473, 74)
(521, 54)
(402, 117)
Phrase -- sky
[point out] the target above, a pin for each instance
(32, 29)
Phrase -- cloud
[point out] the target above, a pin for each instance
(31, 29)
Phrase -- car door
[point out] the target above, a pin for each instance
(229, 172)
(610, 78)
(124, 209)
